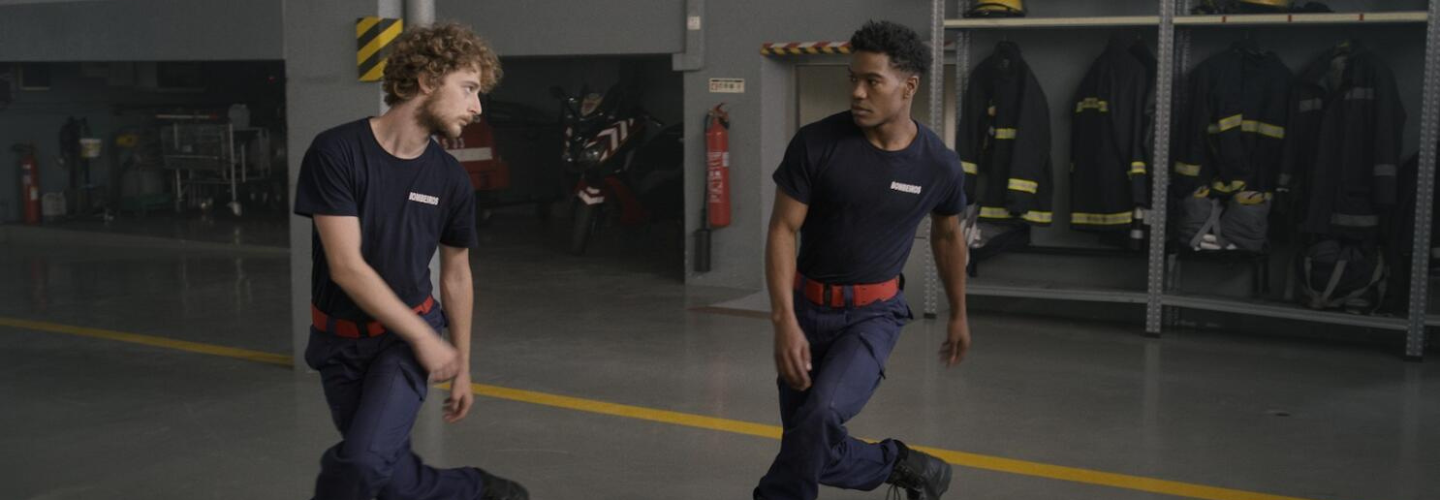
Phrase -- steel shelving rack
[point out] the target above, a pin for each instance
(1173, 56)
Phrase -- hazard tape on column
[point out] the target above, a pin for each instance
(803, 48)
(372, 37)
(777, 49)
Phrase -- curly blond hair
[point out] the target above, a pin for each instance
(431, 52)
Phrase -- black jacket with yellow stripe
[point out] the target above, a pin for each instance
(1108, 148)
(1346, 127)
(1231, 133)
(1004, 140)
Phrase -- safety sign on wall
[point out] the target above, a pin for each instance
(727, 85)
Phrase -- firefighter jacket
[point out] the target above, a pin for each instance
(1232, 129)
(1004, 140)
(1342, 158)
(1108, 153)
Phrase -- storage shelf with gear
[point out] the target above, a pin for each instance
(1261, 276)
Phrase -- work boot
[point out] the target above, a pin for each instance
(498, 488)
(922, 476)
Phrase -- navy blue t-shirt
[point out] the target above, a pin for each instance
(405, 207)
(865, 203)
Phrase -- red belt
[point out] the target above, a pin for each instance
(834, 295)
(350, 329)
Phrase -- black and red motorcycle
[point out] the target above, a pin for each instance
(626, 165)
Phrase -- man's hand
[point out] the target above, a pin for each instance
(461, 398)
(792, 355)
(957, 341)
(439, 358)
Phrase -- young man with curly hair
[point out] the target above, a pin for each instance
(383, 196)
(856, 185)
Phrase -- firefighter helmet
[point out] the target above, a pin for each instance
(997, 8)
(1261, 5)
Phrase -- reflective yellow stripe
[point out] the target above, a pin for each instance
(1094, 103)
(1187, 169)
(1233, 186)
(1202, 192)
(1037, 217)
(1230, 122)
(1001, 213)
(1269, 130)
(970, 168)
(1004, 133)
(995, 213)
(1252, 126)
(1102, 219)
(1264, 129)
(1024, 185)
(1137, 168)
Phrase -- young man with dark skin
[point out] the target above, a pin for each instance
(384, 196)
(856, 186)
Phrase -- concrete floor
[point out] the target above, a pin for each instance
(105, 419)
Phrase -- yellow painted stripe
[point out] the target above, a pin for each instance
(380, 41)
(999, 464)
(375, 73)
(180, 345)
(364, 24)
(1087, 476)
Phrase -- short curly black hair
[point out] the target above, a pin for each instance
(907, 52)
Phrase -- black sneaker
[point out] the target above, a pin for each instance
(498, 488)
(922, 476)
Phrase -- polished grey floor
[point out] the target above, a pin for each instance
(92, 418)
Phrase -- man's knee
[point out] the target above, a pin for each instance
(370, 469)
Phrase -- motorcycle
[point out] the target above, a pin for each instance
(621, 170)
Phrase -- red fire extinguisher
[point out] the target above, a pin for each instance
(717, 167)
(29, 183)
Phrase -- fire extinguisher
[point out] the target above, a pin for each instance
(715, 212)
(717, 167)
(29, 183)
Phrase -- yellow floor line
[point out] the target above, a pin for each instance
(195, 347)
(1036, 469)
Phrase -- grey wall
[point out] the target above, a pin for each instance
(322, 92)
(568, 27)
(142, 30)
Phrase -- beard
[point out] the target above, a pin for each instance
(431, 119)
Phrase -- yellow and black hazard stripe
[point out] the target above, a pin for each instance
(372, 36)
(803, 48)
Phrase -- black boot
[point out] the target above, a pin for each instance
(922, 476)
(498, 488)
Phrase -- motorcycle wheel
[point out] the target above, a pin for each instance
(582, 226)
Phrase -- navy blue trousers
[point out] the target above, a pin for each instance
(848, 349)
(375, 387)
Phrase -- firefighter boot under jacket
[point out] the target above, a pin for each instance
(922, 476)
